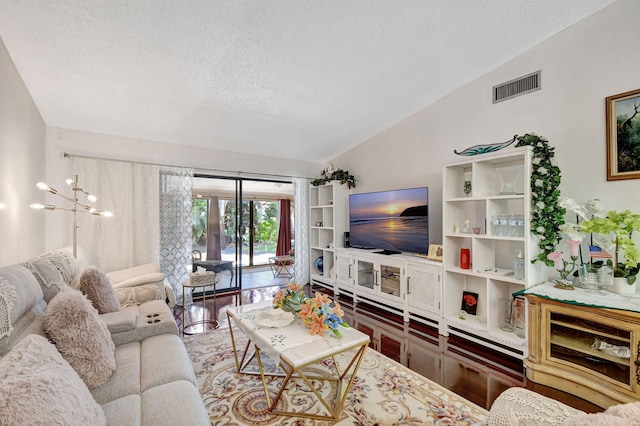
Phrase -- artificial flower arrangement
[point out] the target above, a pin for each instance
(290, 298)
(610, 230)
(615, 230)
(574, 236)
(316, 313)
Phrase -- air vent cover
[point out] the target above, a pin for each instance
(520, 86)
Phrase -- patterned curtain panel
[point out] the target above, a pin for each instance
(176, 224)
(301, 221)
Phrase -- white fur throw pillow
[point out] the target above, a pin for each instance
(81, 336)
(97, 286)
(38, 387)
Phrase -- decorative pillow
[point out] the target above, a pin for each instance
(134, 296)
(97, 286)
(53, 270)
(81, 336)
(40, 387)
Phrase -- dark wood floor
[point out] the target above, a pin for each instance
(475, 373)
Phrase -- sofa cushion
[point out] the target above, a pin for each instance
(81, 336)
(165, 350)
(98, 288)
(126, 379)
(53, 270)
(172, 404)
(124, 411)
(40, 387)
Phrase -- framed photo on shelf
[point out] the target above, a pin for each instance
(469, 302)
(435, 252)
(623, 134)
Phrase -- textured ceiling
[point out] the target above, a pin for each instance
(288, 78)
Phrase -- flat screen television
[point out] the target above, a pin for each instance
(392, 221)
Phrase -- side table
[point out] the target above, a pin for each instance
(282, 266)
(203, 321)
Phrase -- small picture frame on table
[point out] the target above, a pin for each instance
(469, 302)
(435, 252)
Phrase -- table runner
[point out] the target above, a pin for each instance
(272, 341)
(598, 299)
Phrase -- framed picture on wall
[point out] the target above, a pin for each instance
(623, 135)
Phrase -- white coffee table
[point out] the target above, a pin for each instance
(293, 349)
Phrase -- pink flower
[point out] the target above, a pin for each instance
(556, 257)
(574, 247)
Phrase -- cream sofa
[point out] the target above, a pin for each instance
(153, 384)
(520, 406)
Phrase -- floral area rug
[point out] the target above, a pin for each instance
(383, 393)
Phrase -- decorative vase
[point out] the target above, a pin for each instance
(621, 286)
(467, 187)
(510, 179)
(465, 258)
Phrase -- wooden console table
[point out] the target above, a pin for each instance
(588, 351)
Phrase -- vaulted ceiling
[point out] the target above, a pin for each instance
(288, 78)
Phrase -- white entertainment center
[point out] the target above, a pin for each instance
(403, 284)
(431, 292)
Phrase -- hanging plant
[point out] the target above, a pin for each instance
(340, 175)
(547, 215)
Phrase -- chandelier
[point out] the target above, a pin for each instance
(77, 206)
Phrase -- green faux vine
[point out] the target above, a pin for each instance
(546, 212)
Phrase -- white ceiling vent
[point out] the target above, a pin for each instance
(520, 86)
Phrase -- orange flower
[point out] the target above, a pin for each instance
(318, 324)
(279, 296)
(320, 299)
(338, 310)
(305, 314)
(293, 286)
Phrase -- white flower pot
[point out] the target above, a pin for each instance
(622, 286)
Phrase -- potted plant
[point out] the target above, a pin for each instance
(329, 174)
(616, 231)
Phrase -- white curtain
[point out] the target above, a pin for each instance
(301, 223)
(176, 225)
(130, 192)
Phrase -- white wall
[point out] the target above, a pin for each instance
(581, 66)
(22, 164)
(59, 226)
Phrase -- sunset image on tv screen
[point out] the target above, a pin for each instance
(391, 220)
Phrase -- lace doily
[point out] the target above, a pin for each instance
(7, 300)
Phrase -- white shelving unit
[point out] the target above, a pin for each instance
(328, 221)
(499, 186)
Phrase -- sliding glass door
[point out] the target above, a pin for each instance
(241, 221)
